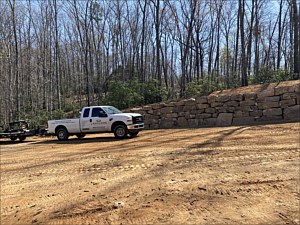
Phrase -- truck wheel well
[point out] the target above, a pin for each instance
(116, 124)
(59, 127)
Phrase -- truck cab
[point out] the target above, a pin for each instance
(98, 119)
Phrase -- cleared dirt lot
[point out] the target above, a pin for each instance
(230, 175)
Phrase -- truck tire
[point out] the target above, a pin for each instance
(62, 134)
(22, 138)
(120, 131)
(13, 138)
(79, 136)
(133, 133)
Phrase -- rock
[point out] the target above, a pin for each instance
(211, 98)
(256, 113)
(203, 116)
(268, 99)
(147, 108)
(272, 112)
(202, 106)
(210, 121)
(215, 104)
(180, 103)
(289, 95)
(182, 122)
(292, 113)
(166, 110)
(284, 87)
(166, 123)
(193, 122)
(210, 110)
(287, 102)
(236, 97)
(250, 96)
(232, 103)
(171, 115)
(223, 98)
(247, 102)
(269, 118)
(190, 102)
(188, 108)
(224, 119)
(267, 90)
(267, 105)
(118, 205)
(201, 99)
(243, 120)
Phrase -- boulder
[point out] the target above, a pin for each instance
(243, 120)
(182, 122)
(201, 99)
(292, 113)
(193, 122)
(224, 119)
(236, 97)
(272, 112)
(284, 87)
(267, 90)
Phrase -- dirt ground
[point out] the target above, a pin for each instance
(229, 175)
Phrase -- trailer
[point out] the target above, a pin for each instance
(17, 130)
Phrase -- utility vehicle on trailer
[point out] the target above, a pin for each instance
(17, 130)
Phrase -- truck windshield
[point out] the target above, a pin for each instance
(111, 110)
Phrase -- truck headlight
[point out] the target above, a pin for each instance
(129, 120)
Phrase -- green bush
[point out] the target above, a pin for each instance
(153, 93)
(123, 94)
(268, 75)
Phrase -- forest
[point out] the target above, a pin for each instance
(58, 56)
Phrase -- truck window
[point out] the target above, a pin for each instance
(98, 112)
(86, 112)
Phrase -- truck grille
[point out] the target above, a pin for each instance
(137, 120)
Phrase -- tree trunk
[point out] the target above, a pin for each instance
(243, 56)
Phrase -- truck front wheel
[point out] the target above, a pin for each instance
(62, 134)
(120, 131)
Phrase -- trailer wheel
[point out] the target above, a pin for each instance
(62, 134)
(13, 138)
(22, 138)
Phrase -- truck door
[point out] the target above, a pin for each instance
(85, 123)
(99, 120)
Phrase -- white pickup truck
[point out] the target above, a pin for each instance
(98, 119)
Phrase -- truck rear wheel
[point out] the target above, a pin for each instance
(62, 134)
(120, 131)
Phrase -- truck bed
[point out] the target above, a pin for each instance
(73, 125)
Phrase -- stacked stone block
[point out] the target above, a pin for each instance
(273, 102)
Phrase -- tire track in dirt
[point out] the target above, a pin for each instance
(39, 203)
(245, 187)
(96, 168)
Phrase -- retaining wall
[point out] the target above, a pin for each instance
(273, 102)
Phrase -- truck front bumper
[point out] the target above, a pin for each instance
(135, 126)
